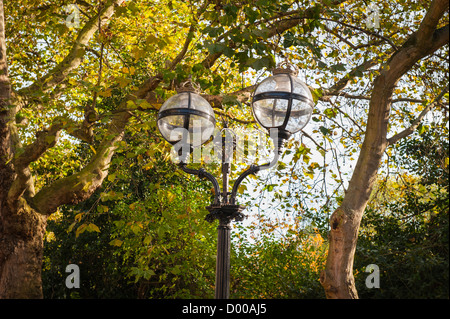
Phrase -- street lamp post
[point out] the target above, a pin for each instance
(282, 104)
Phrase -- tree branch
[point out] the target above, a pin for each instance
(75, 56)
(44, 140)
(277, 28)
(408, 131)
(425, 34)
(80, 186)
(343, 82)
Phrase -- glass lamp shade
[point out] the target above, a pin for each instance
(186, 117)
(284, 102)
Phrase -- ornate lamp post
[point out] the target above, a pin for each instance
(281, 103)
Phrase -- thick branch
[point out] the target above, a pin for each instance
(430, 21)
(412, 51)
(75, 56)
(24, 180)
(80, 186)
(44, 140)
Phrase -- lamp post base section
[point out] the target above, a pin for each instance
(225, 214)
(223, 261)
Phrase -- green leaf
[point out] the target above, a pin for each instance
(111, 177)
(265, 62)
(330, 112)
(324, 130)
(338, 67)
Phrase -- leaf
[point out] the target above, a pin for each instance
(338, 67)
(102, 209)
(106, 93)
(145, 105)
(136, 228)
(111, 177)
(93, 228)
(71, 227)
(270, 187)
(309, 174)
(330, 112)
(116, 242)
(78, 217)
(324, 130)
(265, 62)
(242, 188)
(137, 53)
(148, 274)
(306, 159)
(81, 229)
(123, 82)
(422, 129)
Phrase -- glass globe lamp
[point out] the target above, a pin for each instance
(282, 102)
(187, 118)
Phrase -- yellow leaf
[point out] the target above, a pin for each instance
(138, 53)
(93, 227)
(80, 230)
(123, 82)
(151, 39)
(78, 217)
(170, 196)
(148, 166)
(309, 174)
(71, 226)
(116, 242)
(106, 93)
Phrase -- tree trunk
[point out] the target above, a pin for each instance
(21, 249)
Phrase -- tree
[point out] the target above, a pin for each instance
(92, 84)
(337, 278)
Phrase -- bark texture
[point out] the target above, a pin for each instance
(22, 231)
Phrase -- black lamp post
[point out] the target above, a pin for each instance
(281, 103)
